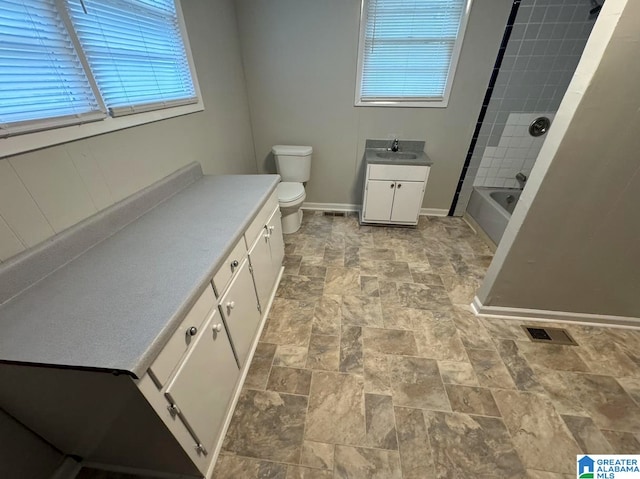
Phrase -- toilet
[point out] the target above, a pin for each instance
(294, 166)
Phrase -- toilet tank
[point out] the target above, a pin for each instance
(293, 162)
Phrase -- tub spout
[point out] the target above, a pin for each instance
(522, 179)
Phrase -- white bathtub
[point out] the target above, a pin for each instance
(491, 209)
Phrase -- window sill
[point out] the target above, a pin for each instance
(403, 104)
(41, 139)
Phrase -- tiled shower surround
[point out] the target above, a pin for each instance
(516, 152)
(546, 42)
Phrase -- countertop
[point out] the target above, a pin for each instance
(114, 307)
(421, 158)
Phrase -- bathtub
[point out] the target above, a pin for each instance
(491, 209)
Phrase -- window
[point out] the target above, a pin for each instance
(42, 80)
(135, 53)
(408, 51)
(65, 62)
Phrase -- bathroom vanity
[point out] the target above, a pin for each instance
(132, 354)
(394, 186)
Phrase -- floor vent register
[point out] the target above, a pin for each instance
(549, 335)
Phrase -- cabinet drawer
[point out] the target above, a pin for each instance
(398, 172)
(183, 338)
(229, 266)
(255, 228)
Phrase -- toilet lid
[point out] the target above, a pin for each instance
(289, 191)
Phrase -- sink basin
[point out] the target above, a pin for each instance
(395, 155)
(381, 156)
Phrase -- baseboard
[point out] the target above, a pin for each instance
(433, 212)
(552, 316)
(330, 207)
(350, 207)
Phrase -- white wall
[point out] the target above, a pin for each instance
(300, 60)
(572, 243)
(46, 191)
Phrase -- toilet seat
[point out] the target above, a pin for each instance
(289, 191)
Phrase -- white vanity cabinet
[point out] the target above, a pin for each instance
(203, 385)
(168, 420)
(195, 381)
(393, 194)
(195, 396)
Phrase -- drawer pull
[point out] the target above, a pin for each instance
(399, 185)
(391, 185)
(192, 331)
(217, 327)
(234, 263)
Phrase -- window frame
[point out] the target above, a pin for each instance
(25, 142)
(410, 102)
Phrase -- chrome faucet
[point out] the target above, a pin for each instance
(394, 145)
(522, 179)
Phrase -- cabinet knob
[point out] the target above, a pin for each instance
(217, 327)
(391, 185)
(231, 304)
(234, 263)
(399, 185)
(192, 331)
(271, 228)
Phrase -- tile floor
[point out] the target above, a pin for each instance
(371, 366)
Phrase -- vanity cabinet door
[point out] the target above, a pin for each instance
(276, 245)
(407, 201)
(200, 390)
(239, 307)
(266, 257)
(260, 258)
(378, 200)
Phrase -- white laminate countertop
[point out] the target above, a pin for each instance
(114, 307)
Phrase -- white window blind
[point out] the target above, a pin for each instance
(409, 48)
(42, 82)
(136, 53)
